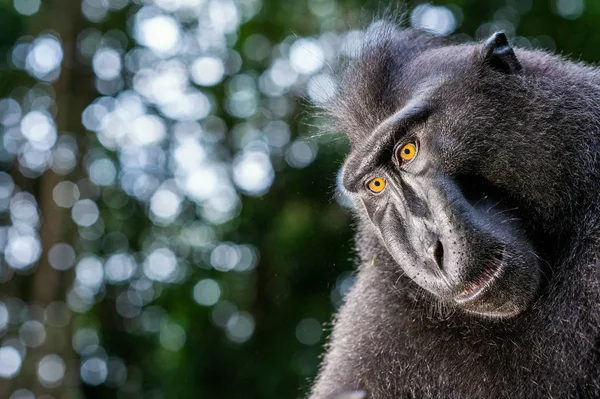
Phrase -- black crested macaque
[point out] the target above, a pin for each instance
(475, 173)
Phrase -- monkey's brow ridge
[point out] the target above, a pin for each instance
(383, 137)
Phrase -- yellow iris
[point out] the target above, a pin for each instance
(377, 185)
(407, 152)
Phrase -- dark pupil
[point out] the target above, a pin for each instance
(377, 183)
(407, 151)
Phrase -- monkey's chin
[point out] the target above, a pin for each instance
(507, 293)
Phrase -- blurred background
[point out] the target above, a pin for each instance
(169, 224)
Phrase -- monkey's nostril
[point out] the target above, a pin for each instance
(438, 254)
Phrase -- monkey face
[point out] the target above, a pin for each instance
(452, 235)
(460, 187)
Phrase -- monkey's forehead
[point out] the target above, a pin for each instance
(385, 79)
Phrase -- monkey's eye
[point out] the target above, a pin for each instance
(406, 153)
(377, 185)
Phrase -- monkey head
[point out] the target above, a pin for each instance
(460, 163)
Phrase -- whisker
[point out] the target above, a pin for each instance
(478, 201)
(510, 220)
(493, 206)
(505, 210)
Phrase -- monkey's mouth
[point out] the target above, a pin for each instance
(483, 280)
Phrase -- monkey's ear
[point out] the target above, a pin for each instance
(499, 55)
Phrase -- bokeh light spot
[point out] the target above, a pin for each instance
(89, 272)
(22, 251)
(207, 71)
(308, 331)
(65, 194)
(160, 265)
(570, 9)
(51, 371)
(107, 63)
(85, 212)
(32, 333)
(207, 292)
(119, 267)
(301, 153)
(61, 256)
(10, 112)
(39, 129)
(27, 7)
(93, 371)
(7, 185)
(240, 327)
(165, 206)
(103, 172)
(438, 19)
(306, 56)
(160, 33)
(44, 57)
(10, 362)
(4, 316)
(253, 173)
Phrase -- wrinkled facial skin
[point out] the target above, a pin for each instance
(453, 238)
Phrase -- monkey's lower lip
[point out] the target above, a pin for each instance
(482, 281)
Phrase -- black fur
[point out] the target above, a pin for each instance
(521, 127)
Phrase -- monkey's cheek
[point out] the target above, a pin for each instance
(511, 294)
